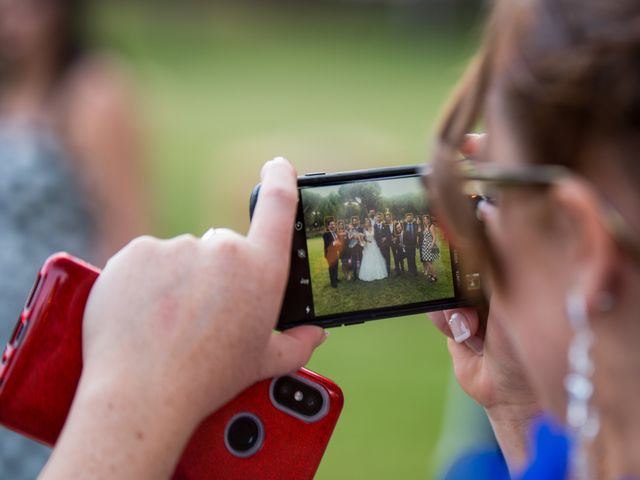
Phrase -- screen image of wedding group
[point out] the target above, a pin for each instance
(374, 244)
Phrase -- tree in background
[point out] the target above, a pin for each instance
(357, 199)
(367, 195)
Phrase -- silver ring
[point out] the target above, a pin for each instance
(208, 234)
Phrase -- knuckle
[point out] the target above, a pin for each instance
(226, 246)
(186, 241)
(180, 246)
(141, 244)
(281, 193)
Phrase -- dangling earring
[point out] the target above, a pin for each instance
(582, 417)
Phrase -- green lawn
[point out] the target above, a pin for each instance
(226, 86)
(352, 296)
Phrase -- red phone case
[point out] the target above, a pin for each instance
(41, 367)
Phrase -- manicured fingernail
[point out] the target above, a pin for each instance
(459, 327)
(476, 344)
(325, 334)
(485, 210)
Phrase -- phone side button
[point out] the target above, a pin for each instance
(315, 174)
(357, 322)
(4, 363)
(7, 354)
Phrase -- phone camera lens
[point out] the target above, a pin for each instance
(285, 388)
(298, 398)
(244, 435)
(313, 404)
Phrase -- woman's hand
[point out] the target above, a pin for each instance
(486, 365)
(489, 371)
(173, 329)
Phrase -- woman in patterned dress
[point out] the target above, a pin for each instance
(429, 251)
(69, 158)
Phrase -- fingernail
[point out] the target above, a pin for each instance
(274, 160)
(484, 209)
(265, 167)
(325, 334)
(476, 344)
(459, 327)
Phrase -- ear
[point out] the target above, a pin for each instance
(578, 214)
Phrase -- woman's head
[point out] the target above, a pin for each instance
(426, 220)
(398, 227)
(40, 30)
(556, 82)
(367, 223)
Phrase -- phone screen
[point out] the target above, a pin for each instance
(369, 248)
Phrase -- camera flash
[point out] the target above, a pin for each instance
(298, 396)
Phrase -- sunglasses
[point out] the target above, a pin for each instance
(457, 187)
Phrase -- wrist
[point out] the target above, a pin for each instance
(140, 396)
(107, 422)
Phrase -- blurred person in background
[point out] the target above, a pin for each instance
(69, 173)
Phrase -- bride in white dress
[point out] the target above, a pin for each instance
(373, 266)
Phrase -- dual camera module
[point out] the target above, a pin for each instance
(292, 395)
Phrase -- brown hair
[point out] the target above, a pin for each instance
(71, 39)
(563, 72)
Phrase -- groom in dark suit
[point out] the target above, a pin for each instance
(410, 240)
(332, 248)
(382, 234)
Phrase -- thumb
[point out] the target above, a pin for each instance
(290, 350)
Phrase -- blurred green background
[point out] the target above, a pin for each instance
(332, 86)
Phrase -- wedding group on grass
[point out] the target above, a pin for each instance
(363, 250)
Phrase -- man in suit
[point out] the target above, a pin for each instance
(410, 240)
(332, 249)
(372, 216)
(382, 233)
(354, 245)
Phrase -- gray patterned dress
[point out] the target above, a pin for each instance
(42, 210)
(429, 254)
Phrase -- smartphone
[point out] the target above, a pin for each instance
(276, 429)
(361, 251)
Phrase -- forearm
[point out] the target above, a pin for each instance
(108, 435)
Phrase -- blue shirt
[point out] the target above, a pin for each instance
(549, 453)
